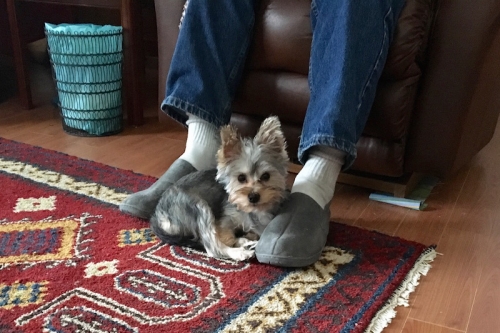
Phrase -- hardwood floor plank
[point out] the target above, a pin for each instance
(382, 217)
(486, 308)
(415, 326)
(348, 203)
(485, 312)
(446, 298)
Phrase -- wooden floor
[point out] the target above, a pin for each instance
(461, 292)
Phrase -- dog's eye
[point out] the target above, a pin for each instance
(242, 178)
(265, 176)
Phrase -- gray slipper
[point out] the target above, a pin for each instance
(297, 235)
(142, 204)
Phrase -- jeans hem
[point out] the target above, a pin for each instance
(177, 109)
(330, 141)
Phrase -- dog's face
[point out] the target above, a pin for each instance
(254, 170)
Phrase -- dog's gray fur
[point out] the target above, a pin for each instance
(176, 216)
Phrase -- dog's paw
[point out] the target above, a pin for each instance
(240, 253)
(245, 243)
(251, 245)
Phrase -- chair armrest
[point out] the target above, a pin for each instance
(457, 104)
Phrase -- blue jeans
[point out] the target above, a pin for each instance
(349, 48)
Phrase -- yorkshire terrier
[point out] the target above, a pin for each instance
(225, 210)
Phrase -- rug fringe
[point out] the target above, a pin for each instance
(402, 294)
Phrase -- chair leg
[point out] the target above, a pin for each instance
(22, 72)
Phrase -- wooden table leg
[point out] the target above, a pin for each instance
(133, 74)
(22, 72)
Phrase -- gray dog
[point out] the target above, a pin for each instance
(225, 210)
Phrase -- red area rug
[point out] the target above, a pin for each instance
(70, 261)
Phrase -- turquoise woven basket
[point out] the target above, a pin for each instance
(87, 65)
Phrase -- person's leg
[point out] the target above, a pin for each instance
(206, 68)
(349, 49)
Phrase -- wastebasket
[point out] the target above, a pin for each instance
(87, 66)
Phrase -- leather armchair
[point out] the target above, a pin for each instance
(437, 101)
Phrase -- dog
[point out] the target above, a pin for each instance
(224, 211)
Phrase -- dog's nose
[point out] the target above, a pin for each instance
(254, 197)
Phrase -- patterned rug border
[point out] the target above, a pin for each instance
(16, 154)
(401, 295)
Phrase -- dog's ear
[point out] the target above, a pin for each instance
(271, 136)
(230, 144)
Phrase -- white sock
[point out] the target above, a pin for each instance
(319, 175)
(202, 143)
